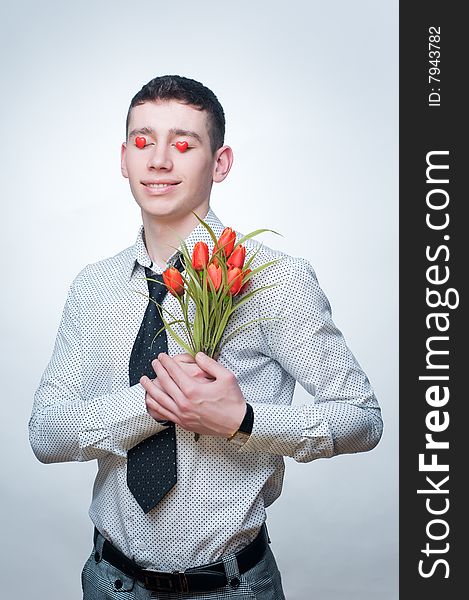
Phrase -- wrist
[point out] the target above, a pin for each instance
(245, 428)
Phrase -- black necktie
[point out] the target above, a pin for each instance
(151, 464)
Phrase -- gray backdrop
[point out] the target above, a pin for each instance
(310, 93)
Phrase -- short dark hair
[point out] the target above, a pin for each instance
(187, 91)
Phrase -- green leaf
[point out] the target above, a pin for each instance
(250, 294)
(207, 227)
(155, 281)
(253, 233)
(261, 267)
(159, 306)
(222, 324)
(198, 329)
(248, 262)
(175, 336)
(189, 333)
(162, 329)
(205, 304)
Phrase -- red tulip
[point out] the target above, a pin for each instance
(200, 256)
(226, 241)
(235, 275)
(236, 258)
(246, 283)
(173, 281)
(215, 274)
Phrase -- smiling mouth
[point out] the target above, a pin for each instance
(160, 186)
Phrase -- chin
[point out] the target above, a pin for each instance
(162, 211)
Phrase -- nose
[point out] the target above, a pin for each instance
(160, 158)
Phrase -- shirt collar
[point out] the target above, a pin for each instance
(139, 254)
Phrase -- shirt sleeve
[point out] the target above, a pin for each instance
(67, 426)
(344, 414)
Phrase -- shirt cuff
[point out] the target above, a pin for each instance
(299, 432)
(124, 423)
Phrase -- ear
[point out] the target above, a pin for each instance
(123, 164)
(223, 162)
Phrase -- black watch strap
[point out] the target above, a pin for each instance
(248, 421)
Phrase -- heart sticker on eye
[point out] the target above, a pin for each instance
(140, 142)
(181, 146)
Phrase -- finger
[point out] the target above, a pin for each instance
(191, 368)
(155, 412)
(167, 384)
(160, 413)
(184, 358)
(157, 399)
(176, 373)
(150, 386)
(210, 365)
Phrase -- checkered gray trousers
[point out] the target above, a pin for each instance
(102, 581)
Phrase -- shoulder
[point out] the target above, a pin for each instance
(286, 266)
(288, 283)
(113, 269)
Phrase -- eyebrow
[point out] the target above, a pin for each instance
(186, 133)
(143, 130)
(172, 132)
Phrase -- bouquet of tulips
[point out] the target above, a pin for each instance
(217, 283)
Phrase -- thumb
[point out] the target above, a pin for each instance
(209, 365)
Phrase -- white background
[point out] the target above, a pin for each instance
(310, 95)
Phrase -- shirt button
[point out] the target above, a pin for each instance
(141, 545)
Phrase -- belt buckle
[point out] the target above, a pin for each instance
(165, 582)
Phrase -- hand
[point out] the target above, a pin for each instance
(190, 366)
(188, 363)
(203, 397)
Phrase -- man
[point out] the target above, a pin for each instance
(204, 536)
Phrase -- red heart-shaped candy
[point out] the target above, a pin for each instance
(140, 142)
(181, 146)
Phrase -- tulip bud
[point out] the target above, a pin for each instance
(173, 281)
(236, 258)
(200, 256)
(235, 280)
(245, 283)
(226, 241)
(215, 274)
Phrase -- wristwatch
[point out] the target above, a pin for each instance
(241, 435)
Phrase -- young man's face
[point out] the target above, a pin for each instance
(165, 182)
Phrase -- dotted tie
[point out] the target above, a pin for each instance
(151, 464)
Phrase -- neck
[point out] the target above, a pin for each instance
(162, 236)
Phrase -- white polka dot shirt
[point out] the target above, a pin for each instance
(84, 408)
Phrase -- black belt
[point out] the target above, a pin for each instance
(197, 579)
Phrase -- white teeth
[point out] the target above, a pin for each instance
(159, 185)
